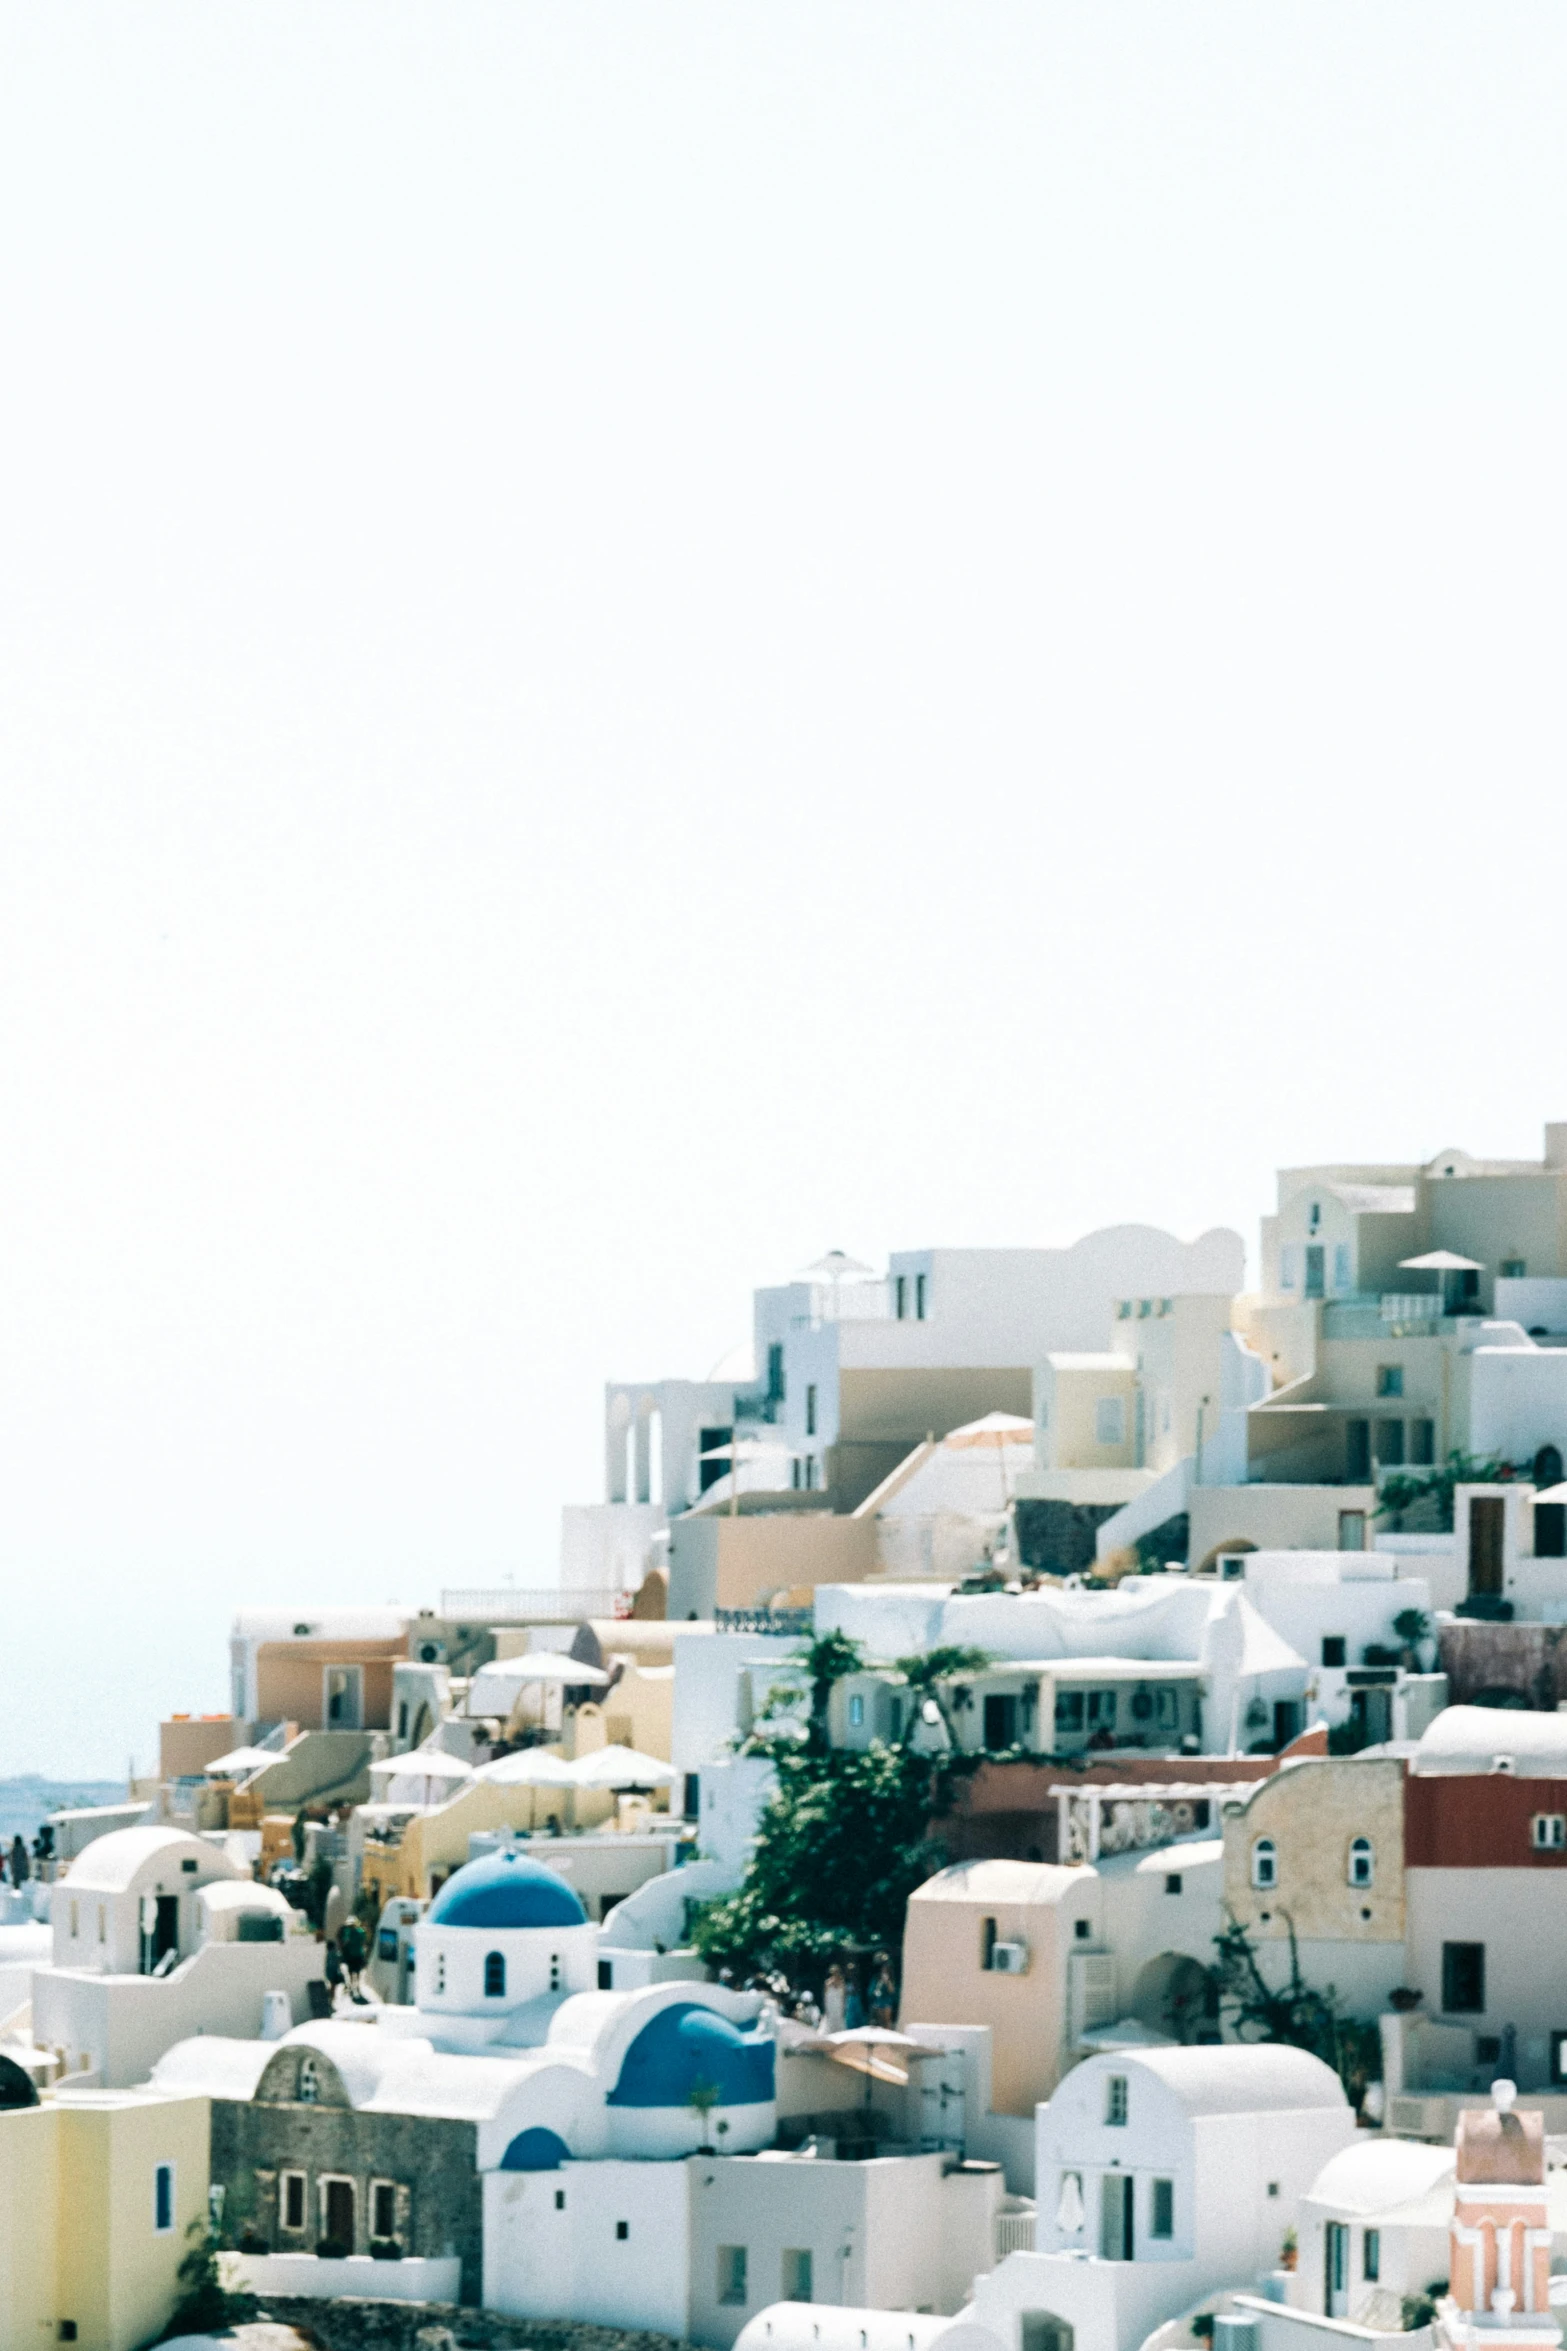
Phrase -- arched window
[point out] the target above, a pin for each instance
(495, 1975)
(1362, 1862)
(1264, 1864)
(309, 2082)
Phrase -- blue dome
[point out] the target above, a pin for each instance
(684, 2045)
(505, 1890)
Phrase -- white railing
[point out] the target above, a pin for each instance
(1014, 2232)
(510, 1603)
(1406, 1307)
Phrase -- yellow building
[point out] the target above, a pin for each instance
(100, 2191)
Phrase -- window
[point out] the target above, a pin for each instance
(383, 2208)
(731, 2274)
(810, 1473)
(1115, 2100)
(1172, 1882)
(554, 1971)
(856, 1710)
(1362, 1862)
(1463, 1978)
(402, 1718)
(309, 2082)
(560, 2199)
(796, 2273)
(1314, 1221)
(1287, 1264)
(163, 2199)
(1390, 1379)
(810, 1410)
(1161, 2209)
(1333, 1649)
(987, 1942)
(440, 1971)
(1342, 1279)
(1422, 1443)
(1101, 1710)
(1123, 1310)
(1352, 1530)
(1550, 1530)
(494, 1975)
(1110, 1421)
(900, 1296)
(1265, 1863)
(1357, 1451)
(1069, 1710)
(622, 2231)
(1514, 1269)
(291, 2201)
(1390, 1444)
(919, 1297)
(1371, 2256)
(1316, 1281)
(776, 1382)
(1548, 1832)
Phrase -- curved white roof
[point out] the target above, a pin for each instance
(245, 1894)
(1000, 1881)
(1471, 1738)
(212, 2066)
(1234, 2078)
(1379, 2175)
(112, 1864)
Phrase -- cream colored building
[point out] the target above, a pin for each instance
(99, 2192)
(1048, 1956)
(1318, 1847)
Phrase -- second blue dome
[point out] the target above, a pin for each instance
(506, 1890)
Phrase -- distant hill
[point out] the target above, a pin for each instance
(27, 1801)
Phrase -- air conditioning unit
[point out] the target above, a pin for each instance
(1009, 1958)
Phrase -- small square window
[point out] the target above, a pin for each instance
(796, 2274)
(1390, 1379)
(622, 2231)
(1115, 2101)
(1273, 2187)
(1172, 1882)
(1514, 1269)
(1334, 1649)
(1083, 1928)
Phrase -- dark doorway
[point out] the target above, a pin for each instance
(1000, 1722)
(709, 1472)
(1314, 1262)
(1357, 1451)
(338, 2213)
(1548, 1466)
(1115, 2217)
(1043, 2331)
(160, 1932)
(1485, 1545)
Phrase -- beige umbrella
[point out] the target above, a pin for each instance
(1444, 1262)
(438, 1771)
(621, 1769)
(872, 2049)
(997, 1428)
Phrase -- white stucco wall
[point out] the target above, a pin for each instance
(551, 2244)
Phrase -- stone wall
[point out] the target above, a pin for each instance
(435, 2326)
(1482, 1661)
(431, 2161)
(1058, 1537)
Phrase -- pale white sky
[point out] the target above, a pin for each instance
(637, 641)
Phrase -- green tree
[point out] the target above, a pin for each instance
(926, 1674)
(204, 2303)
(827, 1659)
(841, 1847)
(1406, 1487)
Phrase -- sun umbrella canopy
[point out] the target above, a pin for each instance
(424, 1763)
(997, 1428)
(241, 1759)
(620, 1767)
(530, 1767)
(836, 1267)
(872, 2049)
(1439, 1261)
(545, 1665)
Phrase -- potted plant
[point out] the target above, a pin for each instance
(1289, 2251)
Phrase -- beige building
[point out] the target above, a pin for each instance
(99, 2191)
(1047, 1956)
(1318, 1847)
(322, 1669)
(754, 1557)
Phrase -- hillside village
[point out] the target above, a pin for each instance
(1025, 1823)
